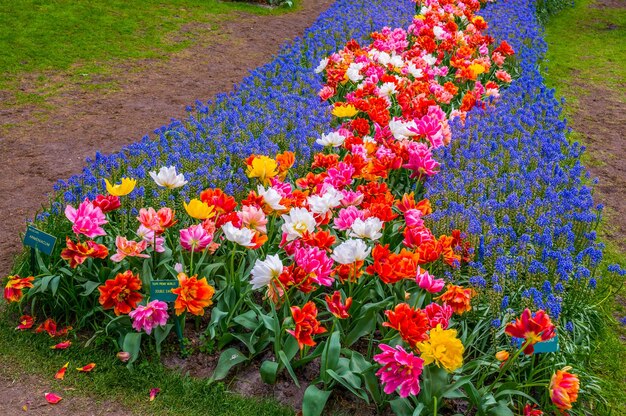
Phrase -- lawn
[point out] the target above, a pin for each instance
(38, 35)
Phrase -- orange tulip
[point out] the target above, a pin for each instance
(458, 298)
(564, 388)
(193, 295)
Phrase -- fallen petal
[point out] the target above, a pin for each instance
(154, 392)
(52, 398)
(61, 345)
(26, 322)
(87, 368)
(60, 375)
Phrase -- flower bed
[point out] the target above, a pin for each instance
(342, 261)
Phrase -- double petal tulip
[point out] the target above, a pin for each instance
(77, 253)
(193, 295)
(129, 248)
(195, 238)
(87, 219)
(121, 293)
(150, 316)
(336, 307)
(564, 388)
(307, 324)
(400, 370)
(262, 167)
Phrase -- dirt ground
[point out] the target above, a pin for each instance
(600, 116)
(39, 145)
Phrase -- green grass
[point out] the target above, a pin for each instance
(28, 353)
(586, 44)
(586, 48)
(40, 35)
(48, 45)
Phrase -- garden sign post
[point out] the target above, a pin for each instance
(38, 240)
(162, 290)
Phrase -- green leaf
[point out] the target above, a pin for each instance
(285, 361)
(248, 320)
(501, 409)
(160, 333)
(418, 409)
(132, 344)
(348, 380)
(228, 359)
(453, 390)
(269, 371)
(330, 355)
(364, 326)
(401, 407)
(146, 274)
(89, 287)
(291, 347)
(54, 285)
(210, 269)
(314, 401)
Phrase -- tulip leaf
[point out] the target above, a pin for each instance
(160, 333)
(330, 355)
(401, 406)
(350, 382)
(132, 345)
(269, 371)
(89, 286)
(248, 320)
(501, 409)
(285, 361)
(228, 359)
(314, 401)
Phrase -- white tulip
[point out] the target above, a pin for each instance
(168, 178)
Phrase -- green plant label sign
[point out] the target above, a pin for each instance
(162, 290)
(39, 240)
(551, 345)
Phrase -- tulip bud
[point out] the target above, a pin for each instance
(502, 355)
(123, 356)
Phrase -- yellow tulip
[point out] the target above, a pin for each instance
(476, 69)
(344, 111)
(443, 348)
(199, 210)
(262, 167)
(121, 189)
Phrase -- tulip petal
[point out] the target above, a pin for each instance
(60, 375)
(87, 368)
(61, 345)
(154, 392)
(26, 322)
(52, 398)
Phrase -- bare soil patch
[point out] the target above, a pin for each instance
(38, 146)
(600, 116)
